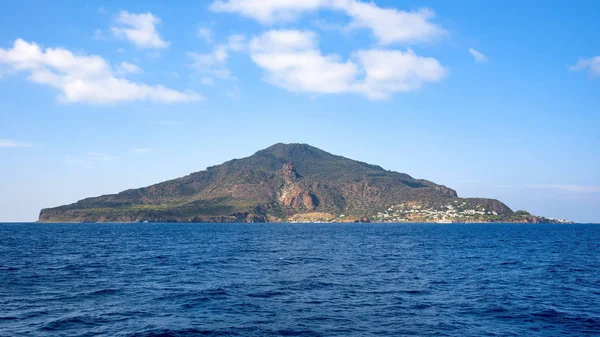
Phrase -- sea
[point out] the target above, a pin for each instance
(299, 280)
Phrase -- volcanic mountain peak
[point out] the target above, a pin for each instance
(287, 182)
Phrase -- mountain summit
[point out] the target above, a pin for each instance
(288, 182)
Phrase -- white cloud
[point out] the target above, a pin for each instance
(284, 41)
(130, 68)
(478, 56)
(214, 63)
(568, 188)
(82, 78)
(293, 61)
(205, 34)
(391, 71)
(592, 65)
(388, 25)
(5, 143)
(140, 29)
(268, 11)
(326, 25)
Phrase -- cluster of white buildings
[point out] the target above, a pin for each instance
(404, 212)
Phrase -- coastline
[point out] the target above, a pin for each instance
(311, 222)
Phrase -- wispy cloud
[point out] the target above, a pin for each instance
(205, 80)
(139, 29)
(478, 56)
(214, 63)
(6, 143)
(592, 64)
(98, 35)
(206, 34)
(127, 67)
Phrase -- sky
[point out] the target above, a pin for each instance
(496, 99)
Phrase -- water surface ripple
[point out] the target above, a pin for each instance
(299, 280)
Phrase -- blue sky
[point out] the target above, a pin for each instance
(494, 99)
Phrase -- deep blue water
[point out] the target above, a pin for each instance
(299, 280)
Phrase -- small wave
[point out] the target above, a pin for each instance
(34, 314)
(439, 282)
(105, 292)
(509, 263)
(496, 310)
(215, 292)
(559, 317)
(266, 294)
(550, 313)
(295, 333)
(415, 292)
(318, 284)
(195, 302)
(577, 269)
(192, 297)
(71, 322)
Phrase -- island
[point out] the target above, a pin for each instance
(291, 183)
